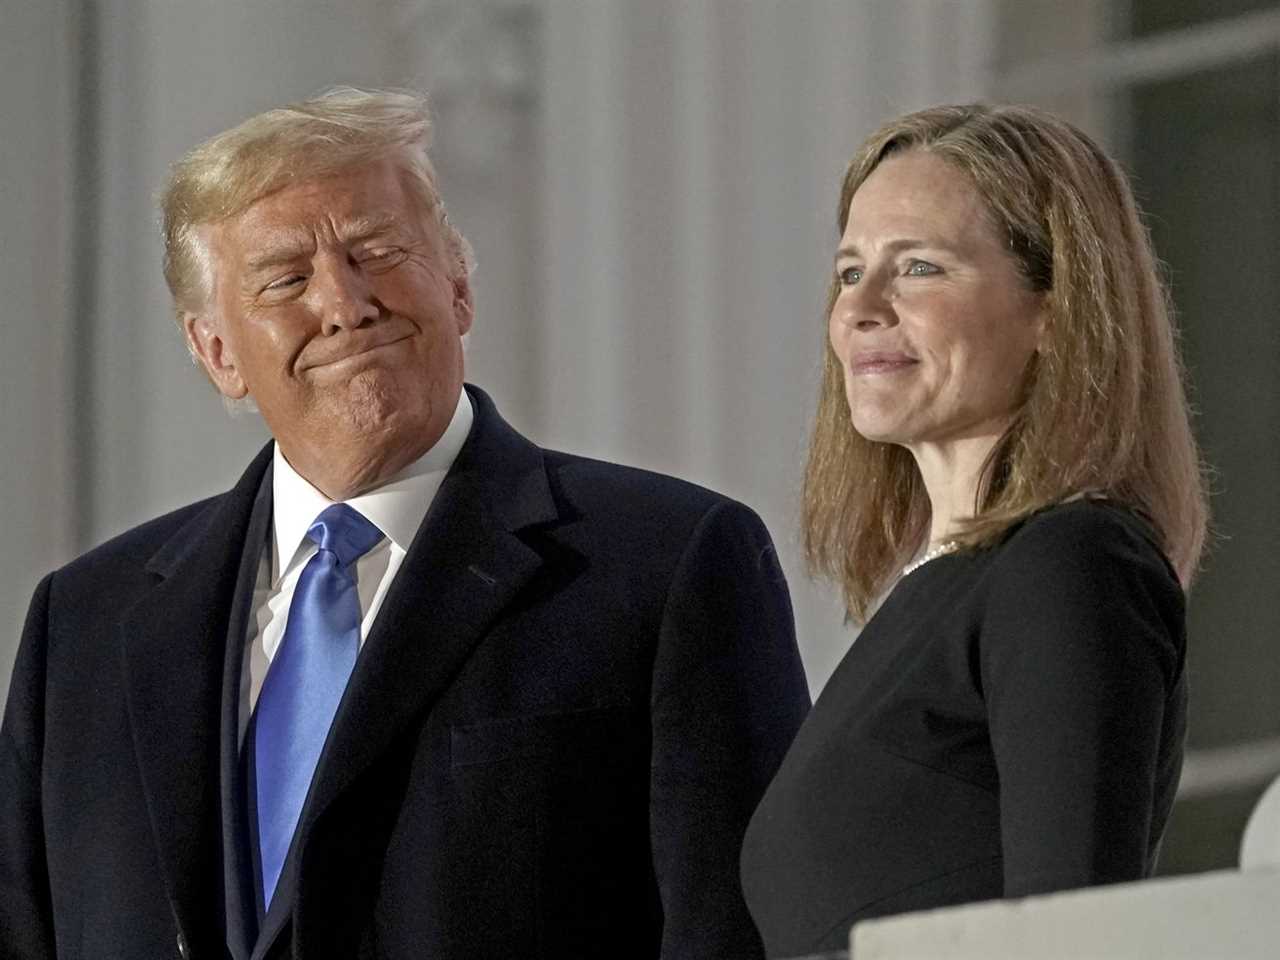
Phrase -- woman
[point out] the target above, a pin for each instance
(1003, 473)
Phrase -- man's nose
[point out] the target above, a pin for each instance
(345, 296)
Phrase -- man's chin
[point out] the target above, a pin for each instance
(373, 402)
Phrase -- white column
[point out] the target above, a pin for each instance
(583, 238)
(692, 156)
(38, 102)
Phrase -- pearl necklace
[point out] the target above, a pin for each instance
(945, 547)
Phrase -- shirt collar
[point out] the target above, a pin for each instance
(397, 507)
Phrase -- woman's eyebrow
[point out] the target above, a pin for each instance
(895, 246)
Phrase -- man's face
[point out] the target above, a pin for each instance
(338, 308)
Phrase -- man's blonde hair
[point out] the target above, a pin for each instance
(339, 129)
(1104, 408)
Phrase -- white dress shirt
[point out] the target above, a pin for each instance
(397, 508)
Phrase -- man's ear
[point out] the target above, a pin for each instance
(207, 345)
(463, 308)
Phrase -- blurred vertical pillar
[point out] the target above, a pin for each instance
(478, 62)
(38, 102)
(692, 153)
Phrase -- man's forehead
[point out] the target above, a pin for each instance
(373, 190)
(299, 217)
(347, 200)
(327, 224)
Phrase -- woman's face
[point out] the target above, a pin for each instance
(933, 323)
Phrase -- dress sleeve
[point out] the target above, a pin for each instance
(26, 922)
(1081, 659)
(728, 695)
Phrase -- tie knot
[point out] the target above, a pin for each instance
(345, 532)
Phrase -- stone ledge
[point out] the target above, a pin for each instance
(1221, 914)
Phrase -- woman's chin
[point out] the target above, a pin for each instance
(879, 429)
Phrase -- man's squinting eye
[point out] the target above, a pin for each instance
(380, 256)
(921, 268)
(289, 280)
(850, 275)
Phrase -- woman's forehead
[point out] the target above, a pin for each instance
(915, 199)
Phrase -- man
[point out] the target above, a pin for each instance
(415, 687)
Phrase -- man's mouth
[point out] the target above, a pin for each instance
(353, 356)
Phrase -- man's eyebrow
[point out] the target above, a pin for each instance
(364, 227)
(275, 254)
(287, 249)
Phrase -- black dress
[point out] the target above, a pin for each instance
(1009, 722)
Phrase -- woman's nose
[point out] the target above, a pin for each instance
(864, 305)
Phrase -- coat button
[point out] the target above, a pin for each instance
(182, 946)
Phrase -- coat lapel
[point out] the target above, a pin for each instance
(465, 565)
(240, 882)
(174, 643)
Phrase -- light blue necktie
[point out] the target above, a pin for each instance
(306, 679)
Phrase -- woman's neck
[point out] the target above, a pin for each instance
(951, 472)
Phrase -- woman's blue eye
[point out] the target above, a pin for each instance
(850, 275)
(920, 268)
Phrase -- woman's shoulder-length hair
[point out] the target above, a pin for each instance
(1104, 408)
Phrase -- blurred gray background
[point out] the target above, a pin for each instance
(650, 186)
